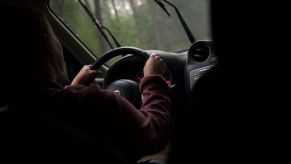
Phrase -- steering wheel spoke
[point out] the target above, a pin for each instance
(124, 87)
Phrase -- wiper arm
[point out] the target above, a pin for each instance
(185, 26)
(100, 27)
(162, 5)
(112, 36)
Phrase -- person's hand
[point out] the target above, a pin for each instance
(85, 76)
(155, 66)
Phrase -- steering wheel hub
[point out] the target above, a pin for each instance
(124, 87)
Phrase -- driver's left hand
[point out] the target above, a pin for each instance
(85, 76)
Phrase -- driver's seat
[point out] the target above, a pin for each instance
(26, 134)
(32, 137)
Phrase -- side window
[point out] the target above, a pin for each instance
(71, 13)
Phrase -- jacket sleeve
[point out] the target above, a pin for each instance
(144, 131)
(114, 120)
(156, 111)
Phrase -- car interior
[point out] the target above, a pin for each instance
(213, 120)
(185, 67)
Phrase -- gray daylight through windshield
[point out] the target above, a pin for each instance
(138, 23)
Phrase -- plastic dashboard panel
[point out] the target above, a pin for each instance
(185, 68)
(129, 66)
(201, 58)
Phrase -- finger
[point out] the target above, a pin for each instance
(152, 57)
(92, 71)
(96, 71)
(86, 66)
(157, 57)
(93, 74)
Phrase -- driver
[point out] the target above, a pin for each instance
(33, 55)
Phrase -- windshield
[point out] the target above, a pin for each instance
(138, 23)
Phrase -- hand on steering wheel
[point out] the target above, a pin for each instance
(85, 76)
(155, 65)
(125, 87)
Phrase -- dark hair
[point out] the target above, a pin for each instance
(30, 52)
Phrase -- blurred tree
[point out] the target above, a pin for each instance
(115, 10)
(61, 5)
(86, 2)
(100, 19)
(155, 24)
(138, 21)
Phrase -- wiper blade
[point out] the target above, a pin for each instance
(162, 5)
(100, 27)
(112, 36)
(184, 24)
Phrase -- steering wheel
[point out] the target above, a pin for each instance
(124, 87)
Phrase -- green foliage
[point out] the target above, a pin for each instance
(138, 23)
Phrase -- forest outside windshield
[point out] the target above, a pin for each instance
(138, 23)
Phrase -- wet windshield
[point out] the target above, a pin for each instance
(138, 23)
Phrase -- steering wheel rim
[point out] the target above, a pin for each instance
(118, 51)
(120, 84)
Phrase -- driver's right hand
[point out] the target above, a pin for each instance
(155, 65)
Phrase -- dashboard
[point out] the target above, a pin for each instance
(184, 68)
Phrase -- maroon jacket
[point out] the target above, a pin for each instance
(110, 118)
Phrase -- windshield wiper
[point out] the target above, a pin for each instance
(100, 27)
(185, 26)
(162, 5)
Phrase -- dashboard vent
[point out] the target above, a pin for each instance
(199, 52)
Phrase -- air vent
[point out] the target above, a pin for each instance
(199, 52)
